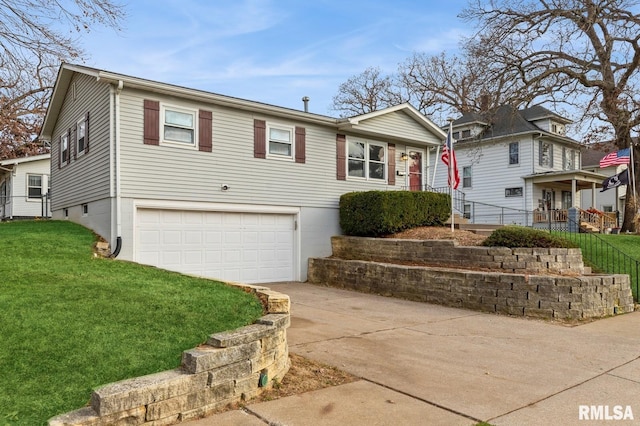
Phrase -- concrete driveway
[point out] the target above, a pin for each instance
(432, 365)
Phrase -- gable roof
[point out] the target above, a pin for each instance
(507, 121)
(408, 109)
(538, 112)
(66, 72)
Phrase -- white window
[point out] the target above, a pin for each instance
(569, 159)
(466, 177)
(34, 187)
(367, 160)
(280, 141)
(546, 154)
(81, 136)
(64, 148)
(514, 153)
(85, 209)
(179, 126)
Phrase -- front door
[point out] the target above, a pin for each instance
(416, 182)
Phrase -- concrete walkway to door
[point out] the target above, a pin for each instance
(432, 365)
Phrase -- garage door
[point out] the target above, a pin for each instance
(244, 247)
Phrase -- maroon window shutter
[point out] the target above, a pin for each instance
(259, 139)
(151, 122)
(300, 144)
(69, 142)
(86, 133)
(341, 157)
(391, 176)
(205, 137)
(60, 152)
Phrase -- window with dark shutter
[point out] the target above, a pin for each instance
(259, 139)
(151, 122)
(391, 177)
(205, 138)
(341, 157)
(86, 133)
(300, 144)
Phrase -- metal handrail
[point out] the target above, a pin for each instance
(602, 255)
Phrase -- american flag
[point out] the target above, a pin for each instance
(447, 150)
(615, 158)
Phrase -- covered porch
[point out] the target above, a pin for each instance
(554, 193)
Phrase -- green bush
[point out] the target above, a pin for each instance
(376, 213)
(519, 236)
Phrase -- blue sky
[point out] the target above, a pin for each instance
(272, 51)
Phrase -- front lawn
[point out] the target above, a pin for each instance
(616, 253)
(70, 322)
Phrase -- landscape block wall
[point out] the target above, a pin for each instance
(542, 292)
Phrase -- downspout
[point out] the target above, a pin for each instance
(118, 194)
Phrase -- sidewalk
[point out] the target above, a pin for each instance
(432, 365)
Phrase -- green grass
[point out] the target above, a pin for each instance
(602, 258)
(70, 322)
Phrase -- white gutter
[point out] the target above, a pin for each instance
(114, 166)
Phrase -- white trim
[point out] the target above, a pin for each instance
(292, 140)
(83, 120)
(366, 160)
(25, 159)
(183, 110)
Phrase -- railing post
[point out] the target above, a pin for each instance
(573, 221)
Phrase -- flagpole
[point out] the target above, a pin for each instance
(451, 177)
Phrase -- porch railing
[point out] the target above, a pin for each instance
(590, 220)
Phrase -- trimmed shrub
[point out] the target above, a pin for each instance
(376, 213)
(520, 236)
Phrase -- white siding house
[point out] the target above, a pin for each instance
(212, 185)
(24, 186)
(513, 164)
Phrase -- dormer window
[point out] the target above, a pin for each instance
(466, 134)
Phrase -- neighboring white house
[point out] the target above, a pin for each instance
(512, 162)
(24, 185)
(213, 185)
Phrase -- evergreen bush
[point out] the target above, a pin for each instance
(520, 236)
(377, 213)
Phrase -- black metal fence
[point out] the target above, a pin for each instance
(599, 254)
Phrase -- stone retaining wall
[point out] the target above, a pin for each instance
(232, 366)
(545, 295)
(447, 252)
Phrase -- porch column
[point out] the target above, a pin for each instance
(573, 192)
(593, 195)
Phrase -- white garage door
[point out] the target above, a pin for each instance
(244, 247)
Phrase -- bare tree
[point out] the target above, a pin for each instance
(439, 86)
(31, 50)
(581, 52)
(367, 92)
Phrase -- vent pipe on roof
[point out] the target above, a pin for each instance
(305, 99)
